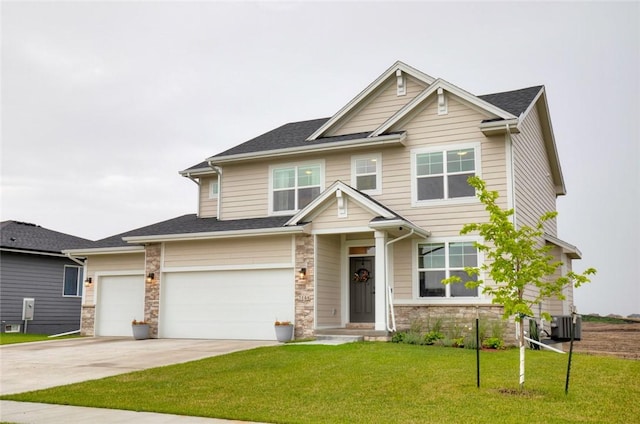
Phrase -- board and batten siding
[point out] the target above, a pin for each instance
(229, 252)
(41, 278)
(207, 207)
(113, 264)
(379, 108)
(357, 217)
(328, 281)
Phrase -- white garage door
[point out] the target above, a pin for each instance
(120, 299)
(226, 304)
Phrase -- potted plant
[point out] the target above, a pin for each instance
(140, 330)
(284, 331)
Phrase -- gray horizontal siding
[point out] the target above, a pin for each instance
(41, 278)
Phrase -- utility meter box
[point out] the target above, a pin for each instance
(28, 307)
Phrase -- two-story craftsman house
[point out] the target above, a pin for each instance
(347, 221)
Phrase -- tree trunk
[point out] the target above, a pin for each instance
(522, 350)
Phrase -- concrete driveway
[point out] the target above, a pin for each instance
(33, 366)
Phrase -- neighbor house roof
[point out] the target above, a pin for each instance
(24, 236)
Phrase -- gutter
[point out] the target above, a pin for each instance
(378, 141)
(513, 177)
(215, 234)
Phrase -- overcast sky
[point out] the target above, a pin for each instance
(104, 102)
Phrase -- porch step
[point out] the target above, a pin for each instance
(339, 338)
(361, 325)
(358, 334)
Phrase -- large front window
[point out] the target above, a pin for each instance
(437, 261)
(294, 187)
(443, 174)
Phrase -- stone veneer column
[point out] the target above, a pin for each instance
(87, 320)
(153, 254)
(304, 320)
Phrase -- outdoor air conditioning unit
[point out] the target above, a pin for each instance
(561, 327)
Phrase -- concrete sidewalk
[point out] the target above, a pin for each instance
(40, 413)
(41, 365)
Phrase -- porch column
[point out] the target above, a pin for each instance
(380, 280)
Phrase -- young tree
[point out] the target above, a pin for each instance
(515, 258)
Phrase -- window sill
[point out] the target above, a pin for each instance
(445, 202)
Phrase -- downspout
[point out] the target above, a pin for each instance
(390, 311)
(513, 177)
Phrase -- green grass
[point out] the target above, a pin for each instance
(12, 338)
(371, 382)
(607, 320)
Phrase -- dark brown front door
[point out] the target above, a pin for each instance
(362, 289)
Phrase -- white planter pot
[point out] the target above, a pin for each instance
(140, 331)
(284, 333)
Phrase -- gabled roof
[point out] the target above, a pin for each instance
(16, 235)
(382, 215)
(371, 88)
(431, 91)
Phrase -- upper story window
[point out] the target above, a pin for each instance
(294, 187)
(72, 280)
(366, 173)
(442, 174)
(437, 261)
(213, 188)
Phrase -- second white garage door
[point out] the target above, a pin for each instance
(226, 304)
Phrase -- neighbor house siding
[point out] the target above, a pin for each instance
(328, 281)
(229, 252)
(41, 278)
(380, 108)
(115, 264)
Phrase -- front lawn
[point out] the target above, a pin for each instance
(371, 382)
(12, 338)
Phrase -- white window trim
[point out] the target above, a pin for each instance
(214, 188)
(79, 283)
(481, 298)
(354, 180)
(296, 165)
(442, 148)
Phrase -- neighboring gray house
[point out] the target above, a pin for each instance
(32, 266)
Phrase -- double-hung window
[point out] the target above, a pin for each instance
(294, 187)
(72, 280)
(437, 261)
(366, 173)
(442, 174)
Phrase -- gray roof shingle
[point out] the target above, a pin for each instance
(295, 134)
(191, 224)
(34, 238)
(515, 102)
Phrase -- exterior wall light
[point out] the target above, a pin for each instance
(150, 277)
(88, 282)
(302, 273)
